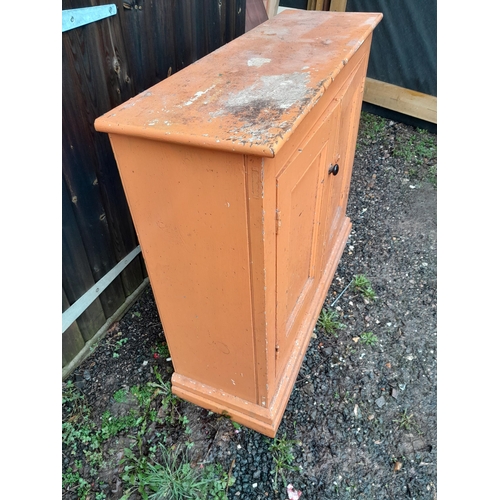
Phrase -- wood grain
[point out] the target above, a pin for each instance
(405, 101)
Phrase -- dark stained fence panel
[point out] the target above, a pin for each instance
(103, 65)
(77, 276)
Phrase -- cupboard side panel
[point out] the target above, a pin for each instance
(189, 209)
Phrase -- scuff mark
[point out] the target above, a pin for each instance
(197, 95)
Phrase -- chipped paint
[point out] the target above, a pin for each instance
(282, 91)
(258, 61)
(197, 95)
(251, 94)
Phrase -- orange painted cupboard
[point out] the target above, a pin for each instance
(237, 172)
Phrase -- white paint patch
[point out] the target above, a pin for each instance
(281, 91)
(198, 95)
(258, 61)
(153, 122)
(234, 383)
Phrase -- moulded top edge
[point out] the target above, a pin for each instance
(250, 94)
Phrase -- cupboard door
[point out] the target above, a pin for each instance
(344, 123)
(351, 102)
(298, 248)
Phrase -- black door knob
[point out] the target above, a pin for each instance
(334, 169)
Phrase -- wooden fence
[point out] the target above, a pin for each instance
(105, 63)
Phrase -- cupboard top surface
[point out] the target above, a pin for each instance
(249, 95)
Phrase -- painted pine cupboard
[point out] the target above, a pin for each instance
(237, 172)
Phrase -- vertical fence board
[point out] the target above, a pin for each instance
(77, 276)
(81, 78)
(72, 339)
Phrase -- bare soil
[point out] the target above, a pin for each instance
(363, 417)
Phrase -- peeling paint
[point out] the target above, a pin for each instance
(258, 61)
(282, 90)
(197, 95)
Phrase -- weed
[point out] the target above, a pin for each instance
(370, 126)
(219, 481)
(329, 321)
(111, 426)
(117, 345)
(368, 338)
(283, 458)
(77, 427)
(142, 474)
(405, 421)
(169, 400)
(348, 397)
(417, 147)
(161, 349)
(432, 175)
(175, 478)
(72, 480)
(362, 285)
(134, 473)
(236, 425)
(120, 396)
(144, 395)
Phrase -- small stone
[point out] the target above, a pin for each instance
(380, 401)
(86, 375)
(419, 445)
(309, 389)
(328, 351)
(254, 485)
(395, 393)
(79, 382)
(256, 474)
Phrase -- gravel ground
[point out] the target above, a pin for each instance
(361, 419)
